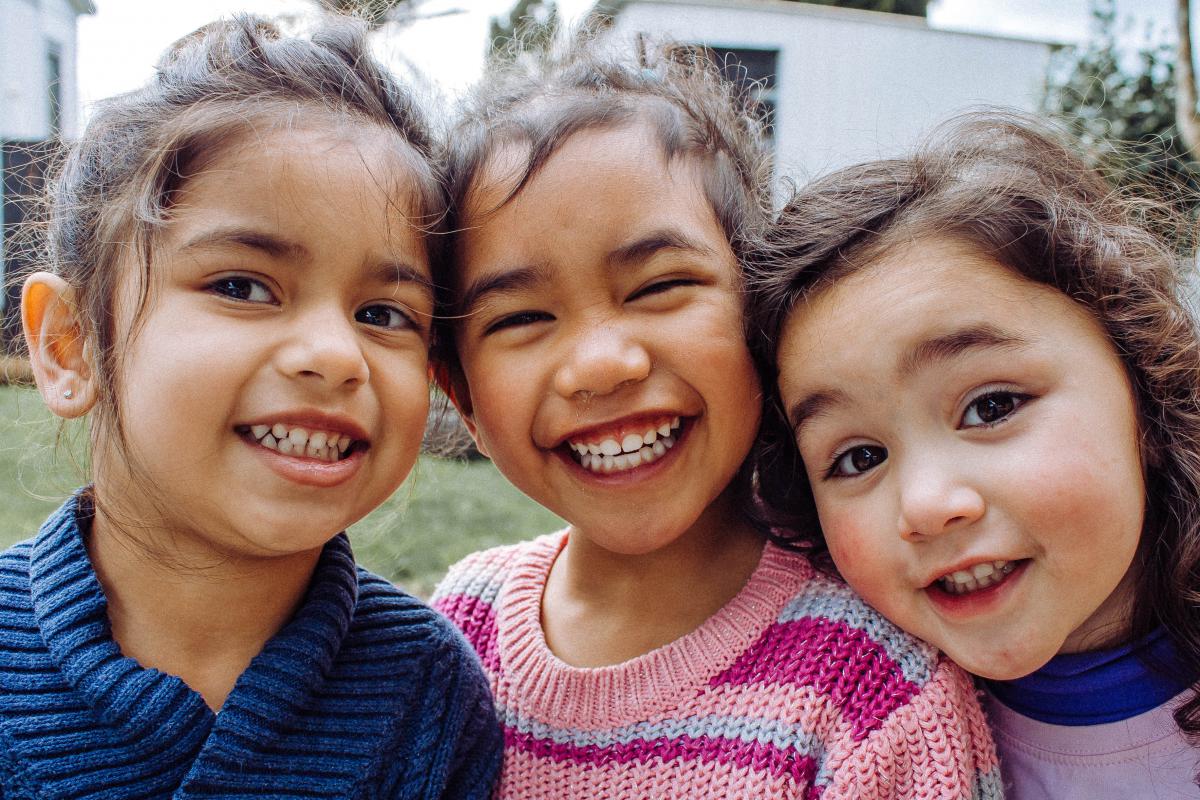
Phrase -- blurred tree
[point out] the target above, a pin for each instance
(531, 25)
(1123, 110)
(912, 8)
(374, 12)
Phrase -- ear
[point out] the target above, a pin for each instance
(453, 383)
(58, 351)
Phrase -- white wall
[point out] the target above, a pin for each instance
(26, 29)
(853, 85)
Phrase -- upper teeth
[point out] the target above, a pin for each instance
(294, 440)
(979, 576)
(630, 443)
(632, 450)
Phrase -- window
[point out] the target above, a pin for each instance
(749, 66)
(54, 86)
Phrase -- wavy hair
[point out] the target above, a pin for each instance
(1012, 189)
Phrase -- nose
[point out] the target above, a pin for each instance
(599, 360)
(936, 497)
(324, 346)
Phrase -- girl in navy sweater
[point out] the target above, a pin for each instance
(238, 293)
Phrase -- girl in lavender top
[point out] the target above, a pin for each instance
(987, 391)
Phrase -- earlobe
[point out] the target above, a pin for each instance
(454, 384)
(58, 351)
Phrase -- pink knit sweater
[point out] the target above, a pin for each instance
(795, 689)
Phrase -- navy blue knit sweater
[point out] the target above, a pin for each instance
(365, 693)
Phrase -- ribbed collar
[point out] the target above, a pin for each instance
(72, 612)
(1100, 686)
(549, 688)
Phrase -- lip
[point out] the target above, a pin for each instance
(314, 420)
(310, 471)
(632, 422)
(980, 601)
(637, 474)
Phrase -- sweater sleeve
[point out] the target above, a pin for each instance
(936, 746)
(475, 760)
(455, 741)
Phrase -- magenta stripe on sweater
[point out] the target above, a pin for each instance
(784, 763)
(838, 661)
(477, 620)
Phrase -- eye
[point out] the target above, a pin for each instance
(991, 409)
(517, 320)
(662, 286)
(381, 316)
(239, 287)
(856, 461)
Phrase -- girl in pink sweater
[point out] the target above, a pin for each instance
(989, 393)
(660, 646)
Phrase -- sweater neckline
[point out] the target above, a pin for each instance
(654, 682)
(72, 614)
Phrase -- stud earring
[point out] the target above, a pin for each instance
(68, 394)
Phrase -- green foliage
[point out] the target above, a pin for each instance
(530, 26)
(1122, 109)
(912, 8)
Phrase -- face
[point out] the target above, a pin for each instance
(972, 445)
(275, 385)
(606, 372)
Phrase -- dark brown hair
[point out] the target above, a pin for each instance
(541, 99)
(1009, 188)
(111, 194)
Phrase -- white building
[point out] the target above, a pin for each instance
(37, 68)
(38, 102)
(848, 85)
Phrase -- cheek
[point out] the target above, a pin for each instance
(858, 546)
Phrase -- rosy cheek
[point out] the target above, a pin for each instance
(850, 541)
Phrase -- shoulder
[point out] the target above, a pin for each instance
(389, 618)
(472, 586)
(469, 592)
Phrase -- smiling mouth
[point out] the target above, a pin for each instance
(300, 442)
(610, 453)
(978, 577)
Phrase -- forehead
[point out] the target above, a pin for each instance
(598, 188)
(863, 326)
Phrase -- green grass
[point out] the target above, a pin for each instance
(444, 511)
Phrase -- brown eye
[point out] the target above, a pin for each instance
(991, 408)
(858, 460)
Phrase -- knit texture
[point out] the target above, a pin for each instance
(795, 689)
(365, 693)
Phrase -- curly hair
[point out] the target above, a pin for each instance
(1010, 188)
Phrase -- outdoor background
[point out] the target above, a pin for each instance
(1105, 69)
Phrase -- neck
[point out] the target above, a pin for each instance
(595, 604)
(200, 616)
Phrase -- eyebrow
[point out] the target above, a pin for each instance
(512, 280)
(277, 247)
(813, 405)
(954, 344)
(273, 246)
(927, 352)
(639, 250)
(646, 247)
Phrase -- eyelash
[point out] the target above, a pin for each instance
(225, 288)
(229, 286)
(529, 317)
(662, 286)
(1017, 399)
